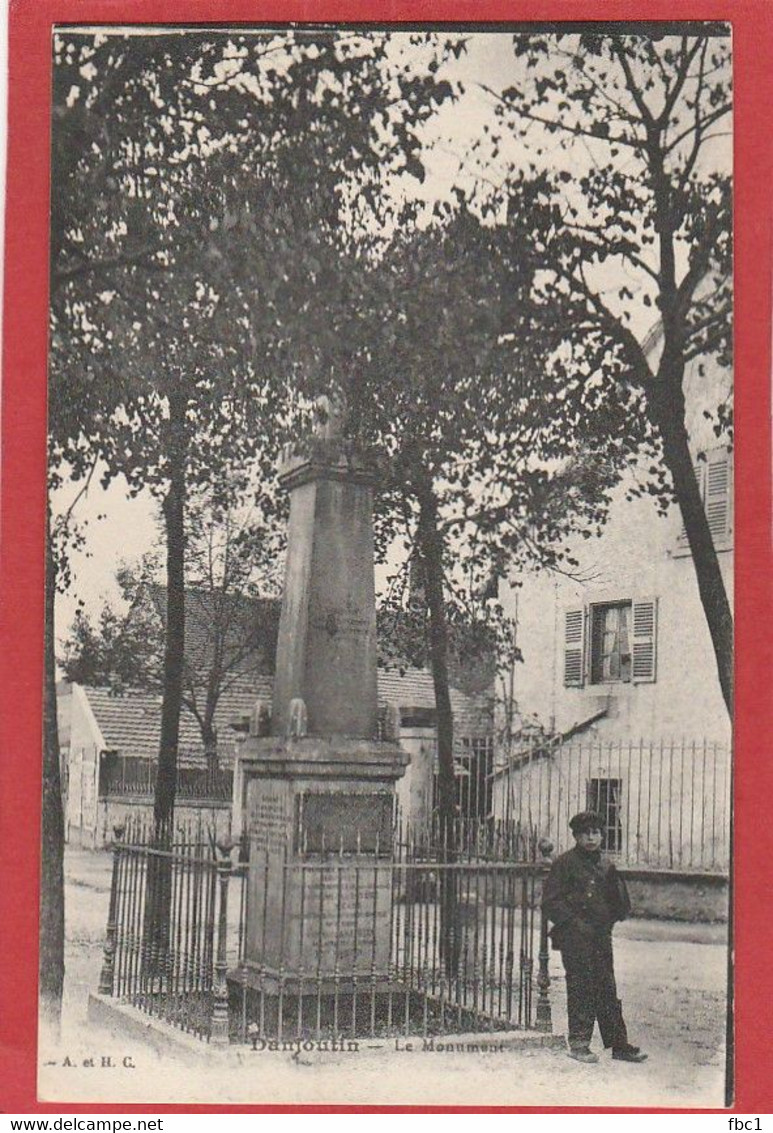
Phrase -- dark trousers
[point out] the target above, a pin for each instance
(591, 992)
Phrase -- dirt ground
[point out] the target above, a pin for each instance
(672, 978)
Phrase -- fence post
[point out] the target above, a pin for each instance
(219, 1035)
(108, 961)
(544, 1017)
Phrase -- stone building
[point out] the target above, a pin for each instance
(617, 702)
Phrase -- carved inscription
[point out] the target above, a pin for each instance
(335, 823)
(343, 621)
(269, 818)
(342, 918)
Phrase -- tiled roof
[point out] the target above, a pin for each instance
(244, 629)
(130, 721)
(414, 688)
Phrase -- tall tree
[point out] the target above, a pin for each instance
(95, 84)
(137, 124)
(643, 202)
(192, 409)
(232, 565)
(454, 372)
(494, 461)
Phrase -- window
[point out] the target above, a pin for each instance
(610, 647)
(714, 473)
(611, 642)
(604, 796)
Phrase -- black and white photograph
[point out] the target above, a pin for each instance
(389, 566)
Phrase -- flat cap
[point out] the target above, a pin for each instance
(586, 820)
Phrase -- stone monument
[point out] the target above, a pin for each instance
(315, 797)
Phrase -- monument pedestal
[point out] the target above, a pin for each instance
(319, 818)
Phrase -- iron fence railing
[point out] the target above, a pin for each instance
(406, 928)
(159, 947)
(131, 777)
(664, 805)
(298, 946)
(487, 839)
(346, 947)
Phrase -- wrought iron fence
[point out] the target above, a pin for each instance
(129, 776)
(159, 946)
(664, 805)
(433, 940)
(482, 839)
(428, 930)
(343, 945)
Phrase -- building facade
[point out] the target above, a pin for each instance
(618, 705)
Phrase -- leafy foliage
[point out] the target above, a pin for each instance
(641, 222)
(230, 609)
(167, 346)
(154, 137)
(123, 649)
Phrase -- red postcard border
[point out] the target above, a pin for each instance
(22, 498)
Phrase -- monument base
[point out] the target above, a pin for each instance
(319, 822)
(274, 1007)
(272, 983)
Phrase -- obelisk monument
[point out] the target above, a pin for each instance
(318, 792)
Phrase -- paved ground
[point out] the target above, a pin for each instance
(672, 978)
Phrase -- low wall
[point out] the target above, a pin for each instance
(673, 896)
(664, 895)
(678, 896)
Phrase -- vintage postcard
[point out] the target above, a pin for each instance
(391, 513)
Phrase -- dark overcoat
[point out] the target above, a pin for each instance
(586, 888)
(584, 896)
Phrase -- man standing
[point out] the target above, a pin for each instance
(584, 896)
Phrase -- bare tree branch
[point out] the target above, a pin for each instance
(555, 124)
(681, 77)
(630, 82)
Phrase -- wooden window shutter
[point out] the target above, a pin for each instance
(644, 634)
(574, 647)
(700, 476)
(718, 494)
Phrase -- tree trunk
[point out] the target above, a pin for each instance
(667, 403)
(214, 688)
(666, 398)
(430, 544)
(209, 737)
(51, 957)
(155, 945)
(174, 643)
